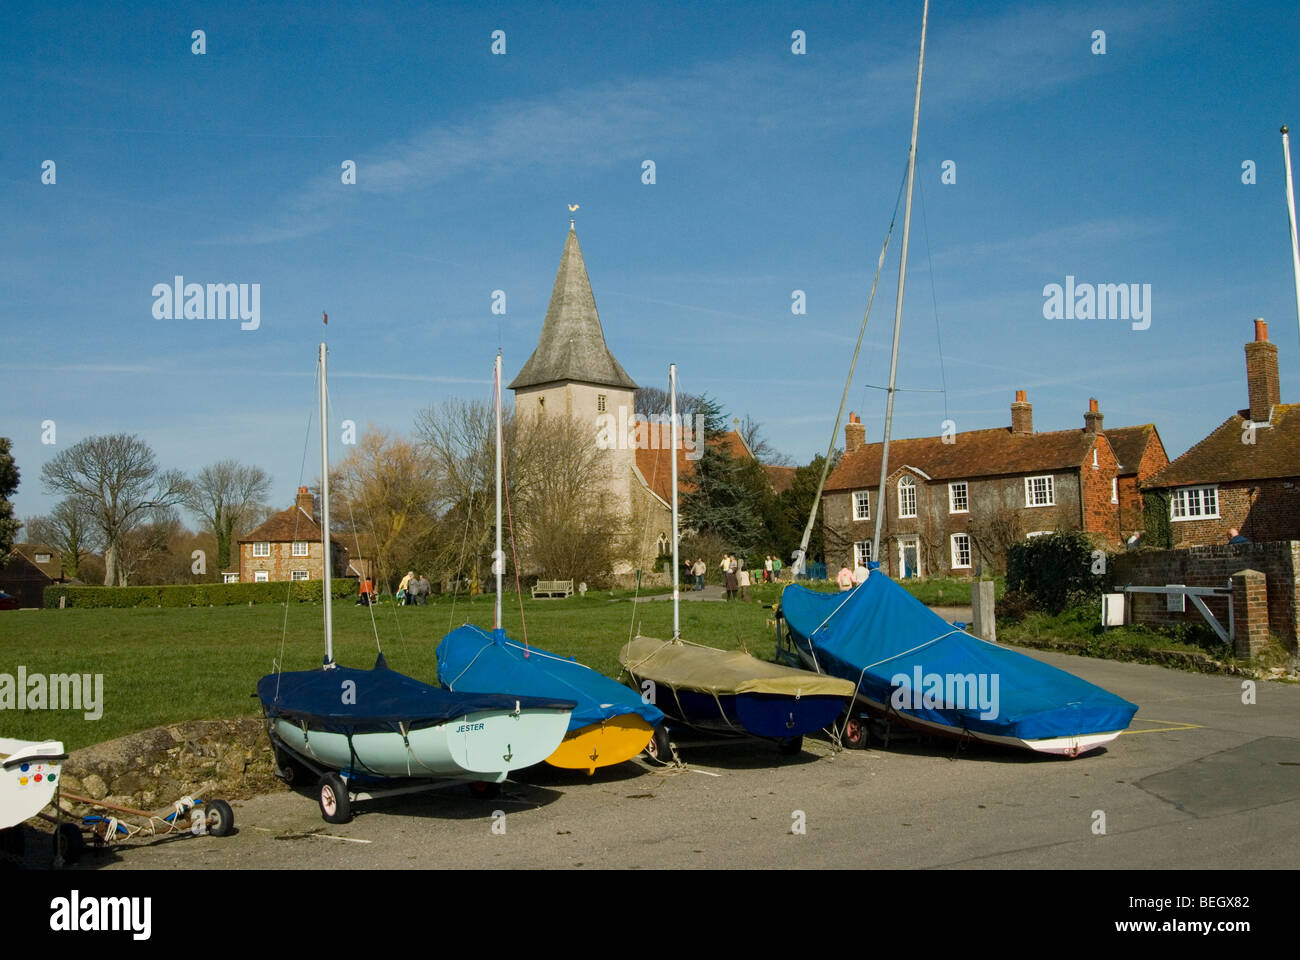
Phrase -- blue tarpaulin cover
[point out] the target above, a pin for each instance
(877, 631)
(470, 659)
(347, 700)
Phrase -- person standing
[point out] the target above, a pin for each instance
(729, 576)
(767, 569)
(776, 567)
(404, 588)
(742, 581)
(845, 578)
(699, 570)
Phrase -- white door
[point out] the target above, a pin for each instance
(909, 557)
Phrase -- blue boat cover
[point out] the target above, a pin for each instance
(345, 700)
(470, 659)
(897, 651)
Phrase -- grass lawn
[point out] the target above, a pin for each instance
(166, 665)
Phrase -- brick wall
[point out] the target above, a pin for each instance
(1100, 515)
(1271, 512)
(281, 563)
(1213, 566)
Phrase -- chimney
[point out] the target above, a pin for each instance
(1022, 416)
(1262, 383)
(1092, 419)
(855, 434)
(306, 503)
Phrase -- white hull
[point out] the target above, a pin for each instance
(487, 745)
(25, 792)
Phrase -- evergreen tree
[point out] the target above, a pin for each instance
(8, 484)
(726, 502)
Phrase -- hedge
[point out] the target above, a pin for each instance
(1054, 570)
(197, 594)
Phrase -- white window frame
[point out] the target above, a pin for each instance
(1183, 495)
(906, 483)
(306, 575)
(304, 552)
(262, 548)
(1051, 490)
(865, 504)
(1038, 533)
(965, 495)
(955, 555)
(261, 576)
(230, 578)
(600, 403)
(861, 553)
(1114, 489)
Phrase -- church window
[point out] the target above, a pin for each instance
(600, 403)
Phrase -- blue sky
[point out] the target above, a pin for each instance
(774, 172)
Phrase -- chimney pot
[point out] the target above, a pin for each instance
(855, 434)
(1263, 386)
(306, 503)
(1022, 416)
(1261, 331)
(1093, 418)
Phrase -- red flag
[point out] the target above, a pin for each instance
(326, 316)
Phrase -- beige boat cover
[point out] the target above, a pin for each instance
(687, 666)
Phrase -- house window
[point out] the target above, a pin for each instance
(907, 497)
(1114, 489)
(299, 575)
(600, 403)
(1194, 503)
(261, 576)
(262, 549)
(1094, 459)
(861, 553)
(960, 550)
(958, 500)
(861, 505)
(1040, 492)
(300, 548)
(230, 578)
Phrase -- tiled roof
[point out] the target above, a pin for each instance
(1129, 443)
(572, 344)
(52, 569)
(285, 526)
(780, 478)
(657, 469)
(1222, 456)
(976, 453)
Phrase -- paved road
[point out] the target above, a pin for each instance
(1201, 780)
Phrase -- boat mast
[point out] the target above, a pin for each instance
(898, 303)
(498, 556)
(1290, 208)
(325, 512)
(672, 459)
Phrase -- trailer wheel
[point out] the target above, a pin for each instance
(290, 770)
(790, 746)
(69, 844)
(660, 745)
(335, 802)
(221, 819)
(483, 790)
(855, 735)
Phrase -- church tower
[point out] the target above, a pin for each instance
(572, 372)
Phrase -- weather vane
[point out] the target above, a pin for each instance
(573, 208)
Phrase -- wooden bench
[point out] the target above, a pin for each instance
(553, 588)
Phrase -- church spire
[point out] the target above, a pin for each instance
(572, 345)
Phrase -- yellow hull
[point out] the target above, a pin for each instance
(602, 744)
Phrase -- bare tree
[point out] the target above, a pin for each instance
(995, 524)
(226, 496)
(67, 528)
(652, 401)
(145, 554)
(751, 431)
(118, 477)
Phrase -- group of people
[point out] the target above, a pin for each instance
(411, 591)
(736, 576)
(848, 579)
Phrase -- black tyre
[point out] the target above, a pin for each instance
(221, 819)
(335, 801)
(69, 844)
(660, 745)
(289, 769)
(483, 790)
(790, 746)
(855, 735)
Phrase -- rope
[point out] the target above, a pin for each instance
(510, 525)
(934, 298)
(302, 469)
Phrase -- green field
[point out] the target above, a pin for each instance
(166, 665)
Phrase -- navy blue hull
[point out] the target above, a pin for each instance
(755, 714)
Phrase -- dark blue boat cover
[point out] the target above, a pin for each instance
(885, 640)
(469, 659)
(346, 700)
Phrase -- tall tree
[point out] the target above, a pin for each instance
(752, 433)
(797, 502)
(226, 495)
(122, 484)
(69, 529)
(724, 502)
(8, 485)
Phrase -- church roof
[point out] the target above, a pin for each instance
(572, 345)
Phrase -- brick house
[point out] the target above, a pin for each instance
(1246, 473)
(288, 547)
(954, 503)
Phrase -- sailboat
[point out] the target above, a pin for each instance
(610, 723)
(905, 662)
(726, 691)
(371, 728)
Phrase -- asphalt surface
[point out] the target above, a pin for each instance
(1201, 780)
